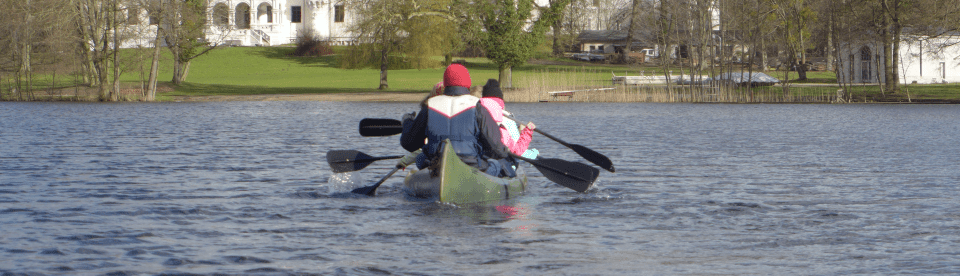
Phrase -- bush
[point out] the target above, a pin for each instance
(309, 45)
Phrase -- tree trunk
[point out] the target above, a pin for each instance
(802, 71)
(180, 70)
(101, 63)
(893, 77)
(506, 77)
(383, 69)
(114, 23)
(830, 49)
(887, 40)
(763, 55)
(154, 69)
(663, 41)
(629, 39)
(557, 31)
(26, 71)
(557, 48)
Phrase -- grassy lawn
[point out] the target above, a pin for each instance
(273, 70)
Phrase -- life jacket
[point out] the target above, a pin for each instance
(454, 118)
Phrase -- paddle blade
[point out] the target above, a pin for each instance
(351, 160)
(372, 127)
(594, 157)
(368, 190)
(348, 160)
(573, 175)
(372, 189)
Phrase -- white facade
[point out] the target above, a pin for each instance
(263, 22)
(923, 60)
(275, 22)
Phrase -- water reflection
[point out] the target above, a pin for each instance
(484, 213)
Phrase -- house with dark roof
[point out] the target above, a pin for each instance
(610, 41)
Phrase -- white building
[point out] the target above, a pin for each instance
(265, 22)
(923, 60)
(261, 22)
(275, 22)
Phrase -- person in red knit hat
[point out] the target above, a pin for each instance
(459, 117)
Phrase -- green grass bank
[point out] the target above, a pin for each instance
(234, 71)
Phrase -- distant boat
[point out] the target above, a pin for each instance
(738, 78)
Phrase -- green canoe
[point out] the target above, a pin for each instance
(456, 182)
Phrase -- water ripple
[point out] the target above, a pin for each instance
(242, 188)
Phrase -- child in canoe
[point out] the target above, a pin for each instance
(518, 144)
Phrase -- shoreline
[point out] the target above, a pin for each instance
(330, 97)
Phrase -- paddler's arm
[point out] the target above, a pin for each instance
(414, 131)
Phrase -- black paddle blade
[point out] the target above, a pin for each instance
(594, 157)
(372, 189)
(368, 190)
(573, 175)
(351, 160)
(372, 127)
(348, 160)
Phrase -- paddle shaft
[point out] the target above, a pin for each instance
(509, 117)
(373, 189)
(588, 154)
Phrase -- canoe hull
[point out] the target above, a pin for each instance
(456, 182)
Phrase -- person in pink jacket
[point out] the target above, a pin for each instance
(493, 101)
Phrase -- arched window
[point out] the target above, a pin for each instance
(243, 16)
(221, 14)
(264, 13)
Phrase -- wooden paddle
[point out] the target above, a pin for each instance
(372, 190)
(351, 160)
(588, 154)
(373, 127)
(573, 175)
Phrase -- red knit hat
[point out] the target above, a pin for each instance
(456, 75)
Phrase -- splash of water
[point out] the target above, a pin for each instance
(344, 182)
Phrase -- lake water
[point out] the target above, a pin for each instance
(244, 188)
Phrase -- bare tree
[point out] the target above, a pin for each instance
(393, 29)
(794, 18)
(509, 31)
(558, 26)
(184, 23)
(95, 28)
(151, 93)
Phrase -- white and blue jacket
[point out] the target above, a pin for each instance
(458, 116)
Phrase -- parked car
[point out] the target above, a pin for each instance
(588, 57)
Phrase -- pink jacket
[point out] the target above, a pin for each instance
(495, 106)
